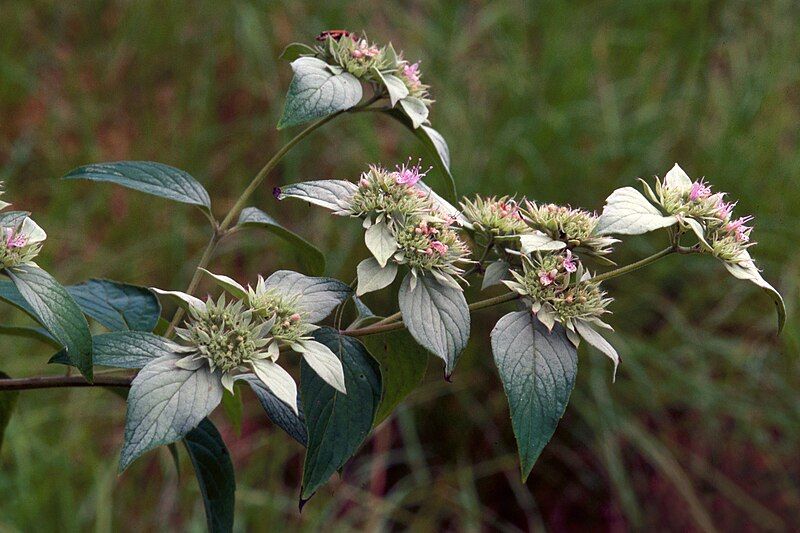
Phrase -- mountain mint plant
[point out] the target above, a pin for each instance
(549, 261)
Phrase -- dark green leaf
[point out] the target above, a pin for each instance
(153, 178)
(295, 50)
(8, 400)
(55, 309)
(337, 423)
(117, 306)
(214, 470)
(123, 349)
(39, 334)
(308, 255)
(538, 370)
(278, 412)
(234, 408)
(316, 92)
(10, 294)
(402, 363)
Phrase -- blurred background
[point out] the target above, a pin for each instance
(559, 101)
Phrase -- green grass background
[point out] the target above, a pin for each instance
(559, 101)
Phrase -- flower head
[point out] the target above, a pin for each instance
(498, 217)
(699, 191)
(408, 174)
(574, 227)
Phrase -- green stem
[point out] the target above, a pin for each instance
(639, 264)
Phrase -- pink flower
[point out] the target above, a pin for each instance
(15, 240)
(546, 278)
(411, 73)
(363, 49)
(363, 182)
(569, 262)
(509, 209)
(724, 209)
(700, 191)
(409, 175)
(439, 247)
(740, 231)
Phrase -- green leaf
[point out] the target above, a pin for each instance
(337, 423)
(8, 400)
(55, 309)
(330, 194)
(316, 297)
(39, 334)
(153, 178)
(437, 316)
(214, 471)
(381, 242)
(394, 86)
(315, 92)
(402, 363)
(124, 349)
(278, 412)
(117, 306)
(10, 294)
(165, 403)
(538, 370)
(433, 142)
(746, 269)
(628, 212)
(415, 109)
(372, 277)
(296, 50)
(234, 410)
(308, 255)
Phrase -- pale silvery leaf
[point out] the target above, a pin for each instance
(165, 403)
(442, 205)
(228, 284)
(495, 273)
(394, 86)
(278, 381)
(316, 297)
(381, 242)
(746, 269)
(442, 150)
(437, 316)
(416, 110)
(627, 212)
(32, 231)
(330, 194)
(316, 92)
(184, 300)
(539, 242)
(698, 230)
(595, 339)
(538, 370)
(373, 277)
(677, 179)
(324, 362)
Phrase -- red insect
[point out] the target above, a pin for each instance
(336, 35)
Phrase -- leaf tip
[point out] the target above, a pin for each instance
(277, 193)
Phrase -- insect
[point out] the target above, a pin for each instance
(335, 35)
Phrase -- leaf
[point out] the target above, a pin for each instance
(295, 50)
(8, 400)
(437, 316)
(316, 297)
(330, 194)
(433, 142)
(234, 410)
(324, 362)
(149, 177)
(381, 242)
(10, 294)
(13, 218)
(165, 403)
(495, 273)
(698, 230)
(279, 382)
(539, 242)
(55, 309)
(39, 334)
(337, 423)
(627, 212)
(598, 341)
(372, 277)
(402, 364)
(230, 285)
(396, 87)
(215, 475)
(676, 178)
(315, 92)
(308, 255)
(538, 370)
(278, 412)
(124, 349)
(117, 306)
(746, 269)
(415, 109)
(183, 300)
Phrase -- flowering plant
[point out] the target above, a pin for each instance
(543, 258)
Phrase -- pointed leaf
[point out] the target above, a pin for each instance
(337, 423)
(124, 349)
(228, 284)
(315, 92)
(295, 50)
(437, 316)
(539, 242)
(278, 411)
(538, 370)
(330, 194)
(117, 306)
(394, 86)
(55, 309)
(676, 178)
(495, 273)
(149, 177)
(308, 255)
(317, 297)
(165, 403)
(381, 242)
(324, 362)
(628, 212)
(39, 334)
(214, 470)
(415, 109)
(594, 338)
(279, 382)
(372, 277)
(746, 269)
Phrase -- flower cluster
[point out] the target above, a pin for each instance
(411, 75)
(574, 227)
(496, 217)
(431, 245)
(355, 54)
(20, 238)
(390, 195)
